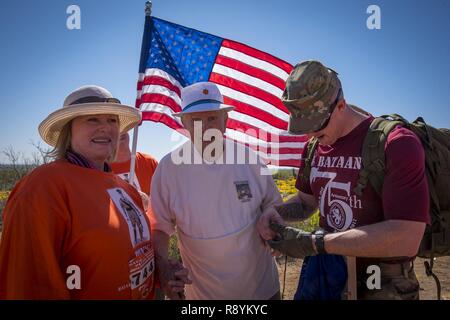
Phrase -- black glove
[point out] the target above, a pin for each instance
(292, 242)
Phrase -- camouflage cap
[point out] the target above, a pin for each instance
(311, 90)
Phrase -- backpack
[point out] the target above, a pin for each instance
(436, 144)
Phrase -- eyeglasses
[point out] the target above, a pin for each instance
(333, 106)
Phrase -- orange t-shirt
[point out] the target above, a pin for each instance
(75, 233)
(145, 167)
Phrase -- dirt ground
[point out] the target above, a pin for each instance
(427, 285)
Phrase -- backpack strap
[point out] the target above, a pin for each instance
(373, 153)
(310, 150)
(423, 132)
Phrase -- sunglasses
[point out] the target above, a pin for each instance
(332, 107)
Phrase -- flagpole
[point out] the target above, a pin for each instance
(148, 13)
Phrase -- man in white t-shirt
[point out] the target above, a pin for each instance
(212, 193)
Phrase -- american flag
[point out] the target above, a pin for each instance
(174, 56)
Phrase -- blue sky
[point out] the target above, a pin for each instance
(404, 67)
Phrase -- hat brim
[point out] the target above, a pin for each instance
(50, 128)
(207, 107)
(301, 125)
(305, 119)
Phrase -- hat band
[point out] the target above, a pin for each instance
(93, 99)
(200, 102)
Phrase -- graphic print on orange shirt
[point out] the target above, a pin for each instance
(137, 225)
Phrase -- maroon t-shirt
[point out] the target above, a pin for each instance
(335, 172)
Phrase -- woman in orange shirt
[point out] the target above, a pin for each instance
(72, 228)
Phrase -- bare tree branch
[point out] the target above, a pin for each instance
(13, 159)
(43, 153)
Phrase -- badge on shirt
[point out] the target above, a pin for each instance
(243, 190)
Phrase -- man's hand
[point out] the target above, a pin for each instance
(291, 241)
(181, 278)
(173, 280)
(269, 215)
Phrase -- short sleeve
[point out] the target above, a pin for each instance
(405, 187)
(159, 212)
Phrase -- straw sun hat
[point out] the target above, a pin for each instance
(87, 100)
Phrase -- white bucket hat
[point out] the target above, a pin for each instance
(87, 100)
(201, 97)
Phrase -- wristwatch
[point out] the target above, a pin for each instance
(320, 243)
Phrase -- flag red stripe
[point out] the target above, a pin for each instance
(286, 163)
(262, 134)
(250, 70)
(287, 67)
(256, 113)
(161, 99)
(161, 117)
(271, 150)
(155, 80)
(283, 162)
(247, 89)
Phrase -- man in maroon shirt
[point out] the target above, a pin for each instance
(383, 230)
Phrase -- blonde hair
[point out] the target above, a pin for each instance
(64, 142)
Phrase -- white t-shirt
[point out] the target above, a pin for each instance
(215, 208)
